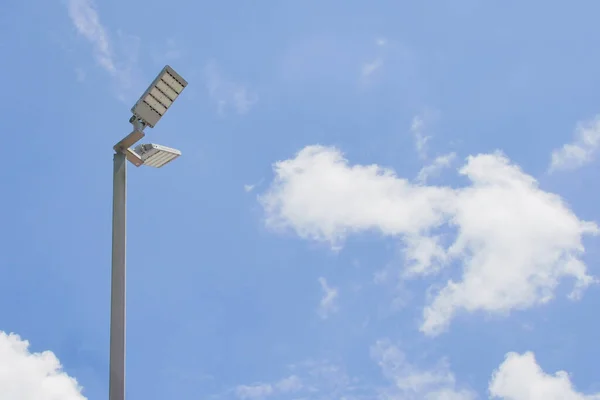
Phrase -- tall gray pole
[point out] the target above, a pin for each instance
(117, 289)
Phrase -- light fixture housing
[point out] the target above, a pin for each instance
(159, 96)
(155, 155)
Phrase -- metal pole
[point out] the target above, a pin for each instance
(117, 289)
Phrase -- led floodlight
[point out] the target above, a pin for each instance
(157, 99)
(155, 155)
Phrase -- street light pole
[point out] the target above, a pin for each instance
(117, 287)
(147, 111)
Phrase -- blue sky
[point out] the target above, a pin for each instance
(382, 200)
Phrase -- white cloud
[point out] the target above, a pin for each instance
(169, 51)
(581, 151)
(226, 93)
(320, 380)
(80, 74)
(173, 51)
(328, 304)
(513, 241)
(288, 385)
(323, 380)
(252, 186)
(85, 17)
(435, 167)
(370, 68)
(519, 377)
(417, 128)
(411, 382)
(321, 197)
(32, 376)
(258, 391)
(424, 255)
(376, 64)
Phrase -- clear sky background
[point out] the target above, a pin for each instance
(376, 200)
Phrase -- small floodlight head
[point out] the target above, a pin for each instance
(157, 99)
(155, 155)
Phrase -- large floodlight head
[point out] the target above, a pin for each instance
(157, 99)
(155, 155)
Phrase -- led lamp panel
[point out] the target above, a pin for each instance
(161, 94)
(155, 155)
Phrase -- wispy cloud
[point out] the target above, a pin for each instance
(255, 391)
(227, 93)
(324, 380)
(173, 51)
(582, 150)
(86, 19)
(371, 67)
(519, 377)
(412, 382)
(318, 380)
(249, 187)
(168, 51)
(417, 128)
(328, 304)
(435, 167)
(80, 74)
(259, 391)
